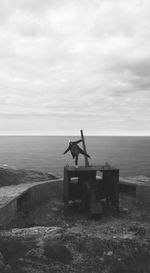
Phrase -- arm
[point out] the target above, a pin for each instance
(78, 141)
(67, 150)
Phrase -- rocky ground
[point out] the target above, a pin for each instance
(53, 239)
(11, 176)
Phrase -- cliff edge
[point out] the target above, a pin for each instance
(10, 176)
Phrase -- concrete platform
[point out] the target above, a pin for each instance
(139, 186)
(23, 197)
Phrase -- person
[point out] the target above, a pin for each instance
(75, 150)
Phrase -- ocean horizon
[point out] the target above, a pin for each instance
(131, 154)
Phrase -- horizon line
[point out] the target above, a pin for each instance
(72, 135)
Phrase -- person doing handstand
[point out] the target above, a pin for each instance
(75, 150)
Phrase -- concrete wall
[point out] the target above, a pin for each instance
(44, 191)
(8, 213)
(41, 191)
(127, 189)
(29, 198)
(143, 193)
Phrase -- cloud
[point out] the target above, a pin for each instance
(87, 60)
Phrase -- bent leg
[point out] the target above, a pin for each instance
(83, 153)
(76, 160)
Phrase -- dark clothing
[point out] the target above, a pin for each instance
(75, 150)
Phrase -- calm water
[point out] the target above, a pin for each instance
(130, 154)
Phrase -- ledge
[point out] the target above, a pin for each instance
(14, 199)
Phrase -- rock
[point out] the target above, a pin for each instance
(56, 210)
(139, 230)
(4, 268)
(1, 257)
(124, 210)
(34, 232)
(109, 253)
(133, 227)
(20, 260)
(119, 259)
(2, 265)
(7, 268)
(30, 266)
(36, 253)
(57, 251)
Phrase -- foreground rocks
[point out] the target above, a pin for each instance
(38, 249)
(54, 249)
(4, 268)
(67, 241)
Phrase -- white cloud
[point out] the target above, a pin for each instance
(85, 60)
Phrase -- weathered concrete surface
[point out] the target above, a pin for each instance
(143, 193)
(135, 181)
(43, 191)
(9, 193)
(8, 212)
(24, 196)
(138, 186)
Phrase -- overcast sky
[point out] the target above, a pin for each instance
(67, 65)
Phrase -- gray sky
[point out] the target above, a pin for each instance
(67, 65)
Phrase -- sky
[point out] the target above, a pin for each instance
(67, 65)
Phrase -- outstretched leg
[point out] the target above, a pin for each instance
(83, 153)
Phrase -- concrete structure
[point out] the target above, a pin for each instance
(8, 212)
(23, 197)
(88, 188)
(143, 193)
(138, 186)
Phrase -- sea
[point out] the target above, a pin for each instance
(45, 153)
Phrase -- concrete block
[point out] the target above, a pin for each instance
(8, 213)
(143, 193)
